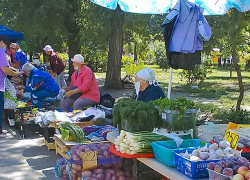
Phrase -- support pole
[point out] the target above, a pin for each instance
(170, 83)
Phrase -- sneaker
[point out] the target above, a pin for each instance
(3, 134)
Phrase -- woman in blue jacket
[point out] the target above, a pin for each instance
(146, 86)
(41, 84)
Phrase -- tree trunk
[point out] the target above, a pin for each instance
(247, 67)
(231, 68)
(113, 75)
(73, 28)
(135, 53)
(241, 86)
(219, 62)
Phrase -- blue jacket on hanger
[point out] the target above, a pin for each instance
(190, 24)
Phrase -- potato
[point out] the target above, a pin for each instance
(100, 176)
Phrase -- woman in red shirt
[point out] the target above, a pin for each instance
(83, 90)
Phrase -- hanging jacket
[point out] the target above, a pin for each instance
(40, 80)
(184, 59)
(189, 25)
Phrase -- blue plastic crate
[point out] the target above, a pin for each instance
(193, 170)
(164, 150)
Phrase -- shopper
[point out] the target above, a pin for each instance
(4, 70)
(20, 57)
(41, 85)
(57, 66)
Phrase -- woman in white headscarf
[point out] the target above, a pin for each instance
(146, 86)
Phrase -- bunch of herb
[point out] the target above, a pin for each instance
(180, 104)
(136, 115)
(182, 121)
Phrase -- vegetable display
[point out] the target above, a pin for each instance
(242, 143)
(60, 169)
(137, 143)
(238, 166)
(104, 158)
(179, 114)
(133, 116)
(212, 152)
(112, 173)
(75, 131)
(180, 104)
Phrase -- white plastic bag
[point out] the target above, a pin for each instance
(10, 103)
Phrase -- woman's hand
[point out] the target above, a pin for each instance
(67, 88)
(69, 93)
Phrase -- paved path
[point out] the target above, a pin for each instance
(25, 159)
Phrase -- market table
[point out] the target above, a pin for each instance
(164, 170)
(170, 173)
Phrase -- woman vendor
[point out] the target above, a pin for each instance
(83, 90)
(146, 86)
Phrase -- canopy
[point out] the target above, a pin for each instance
(211, 7)
(10, 34)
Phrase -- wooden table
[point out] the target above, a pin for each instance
(170, 173)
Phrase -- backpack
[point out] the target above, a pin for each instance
(107, 101)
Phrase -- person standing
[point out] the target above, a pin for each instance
(20, 58)
(57, 66)
(4, 70)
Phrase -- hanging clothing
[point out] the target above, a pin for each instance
(182, 29)
(189, 25)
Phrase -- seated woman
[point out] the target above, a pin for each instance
(146, 86)
(41, 84)
(83, 90)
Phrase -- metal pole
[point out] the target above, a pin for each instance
(170, 83)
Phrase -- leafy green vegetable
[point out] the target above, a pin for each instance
(133, 116)
(8, 96)
(75, 131)
(182, 120)
(180, 104)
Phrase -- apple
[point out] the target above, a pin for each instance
(247, 177)
(238, 177)
(243, 170)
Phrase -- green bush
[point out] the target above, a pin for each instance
(131, 67)
(160, 55)
(240, 117)
(199, 74)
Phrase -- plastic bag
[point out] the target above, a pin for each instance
(60, 169)
(9, 95)
(113, 172)
(104, 158)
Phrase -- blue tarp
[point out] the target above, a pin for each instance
(211, 7)
(10, 34)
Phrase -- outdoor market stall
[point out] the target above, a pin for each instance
(170, 150)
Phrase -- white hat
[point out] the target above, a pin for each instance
(78, 58)
(48, 48)
(147, 74)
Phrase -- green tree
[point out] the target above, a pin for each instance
(229, 35)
